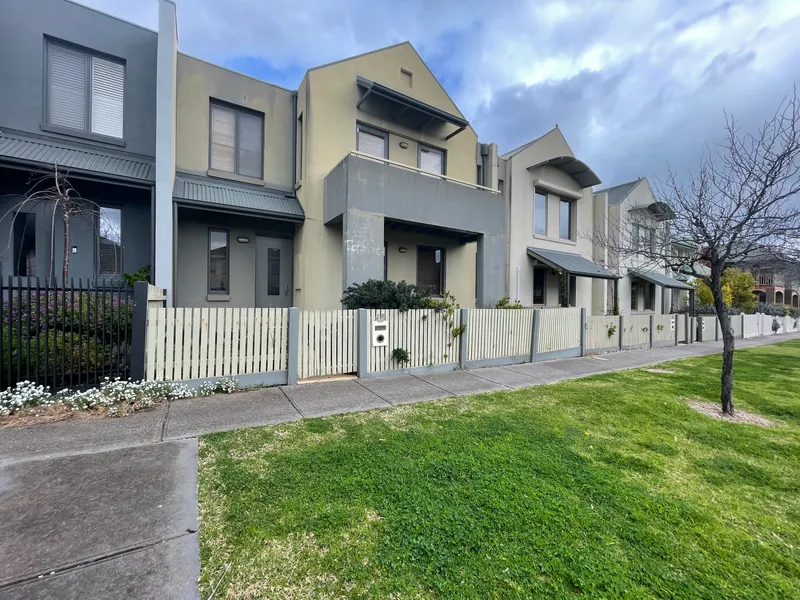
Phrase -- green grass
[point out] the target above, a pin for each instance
(607, 487)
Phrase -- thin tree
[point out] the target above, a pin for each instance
(52, 194)
(742, 200)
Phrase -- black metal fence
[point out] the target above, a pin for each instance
(64, 334)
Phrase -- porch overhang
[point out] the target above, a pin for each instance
(663, 280)
(573, 167)
(574, 264)
(232, 197)
(414, 113)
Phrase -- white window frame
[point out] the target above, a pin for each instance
(89, 56)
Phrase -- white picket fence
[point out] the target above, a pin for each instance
(636, 330)
(559, 329)
(427, 336)
(327, 343)
(499, 333)
(197, 343)
(602, 333)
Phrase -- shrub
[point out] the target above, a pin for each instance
(400, 355)
(741, 286)
(506, 303)
(773, 310)
(142, 274)
(378, 294)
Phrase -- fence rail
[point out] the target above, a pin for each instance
(64, 334)
(559, 329)
(636, 330)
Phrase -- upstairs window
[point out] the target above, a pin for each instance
(539, 213)
(237, 141)
(371, 141)
(565, 219)
(85, 92)
(431, 159)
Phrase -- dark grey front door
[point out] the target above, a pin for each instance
(274, 257)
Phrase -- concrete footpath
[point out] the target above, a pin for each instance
(108, 508)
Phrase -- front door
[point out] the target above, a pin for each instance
(274, 258)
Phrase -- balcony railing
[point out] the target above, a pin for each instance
(423, 171)
(765, 280)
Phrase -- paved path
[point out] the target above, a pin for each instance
(108, 508)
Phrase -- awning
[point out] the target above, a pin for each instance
(235, 197)
(74, 157)
(413, 113)
(577, 169)
(662, 280)
(575, 264)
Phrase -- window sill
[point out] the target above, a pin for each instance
(85, 135)
(546, 238)
(234, 177)
(218, 297)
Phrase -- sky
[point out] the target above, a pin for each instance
(635, 85)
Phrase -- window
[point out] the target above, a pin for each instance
(634, 296)
(430, 269)
(648, 240)
(431, 159)
(573, 289)
(539, 285)
(109, 242)
(565, 219)
(237, 141)
(24, 245)
(273, 271)
(300, 148)
(218, 260)
(371, 141)
(84, 92)
(635, 237)
(539, 213)
(649, 296)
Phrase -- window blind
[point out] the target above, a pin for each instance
(223, 134)
(431, 160)
(369, 143)
(67, 93)
(251, 141)
(108, 96)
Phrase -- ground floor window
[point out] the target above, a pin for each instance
(218, 261)
(573, 290)
(650, 296)
(24, 240)
(539, 285)
(109, 242)
(430, 269)
(634, 296)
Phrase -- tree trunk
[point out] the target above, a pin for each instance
(728, 342)
(67, 249)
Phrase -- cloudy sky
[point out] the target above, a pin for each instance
(634, 84)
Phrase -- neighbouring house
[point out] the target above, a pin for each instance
(78, 91)
(550, 210)
(635, 219)
(776, 281)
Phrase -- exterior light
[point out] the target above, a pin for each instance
(402, 249)
(404, 145)
(243, 240)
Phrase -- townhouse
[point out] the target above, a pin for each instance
(239, 193)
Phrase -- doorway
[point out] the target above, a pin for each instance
(274, 258)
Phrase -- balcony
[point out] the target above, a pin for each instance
(365, 194)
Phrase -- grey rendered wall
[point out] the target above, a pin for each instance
(191, 274)
(135, 206)
(23, 27)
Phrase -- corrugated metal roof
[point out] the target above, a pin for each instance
(252, 198)
(575, 264)
(45, 151)
(618, 193)
(661, 279)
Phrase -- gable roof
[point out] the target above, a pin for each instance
(618, 193)
(518, 149)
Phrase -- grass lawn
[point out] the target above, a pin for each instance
(606, 487)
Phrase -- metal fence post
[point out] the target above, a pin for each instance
(583, 332)
(462, 339)
(362, 346)
(621, 331)
(293, 349)
(139, 333)
(652, 329)
(535, 333)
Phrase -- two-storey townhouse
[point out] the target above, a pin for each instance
(776, 280)
(635, 220)
(77, 92)
(552, 215)
(281, 197)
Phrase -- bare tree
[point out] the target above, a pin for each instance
(743, 199)
(53, 194)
